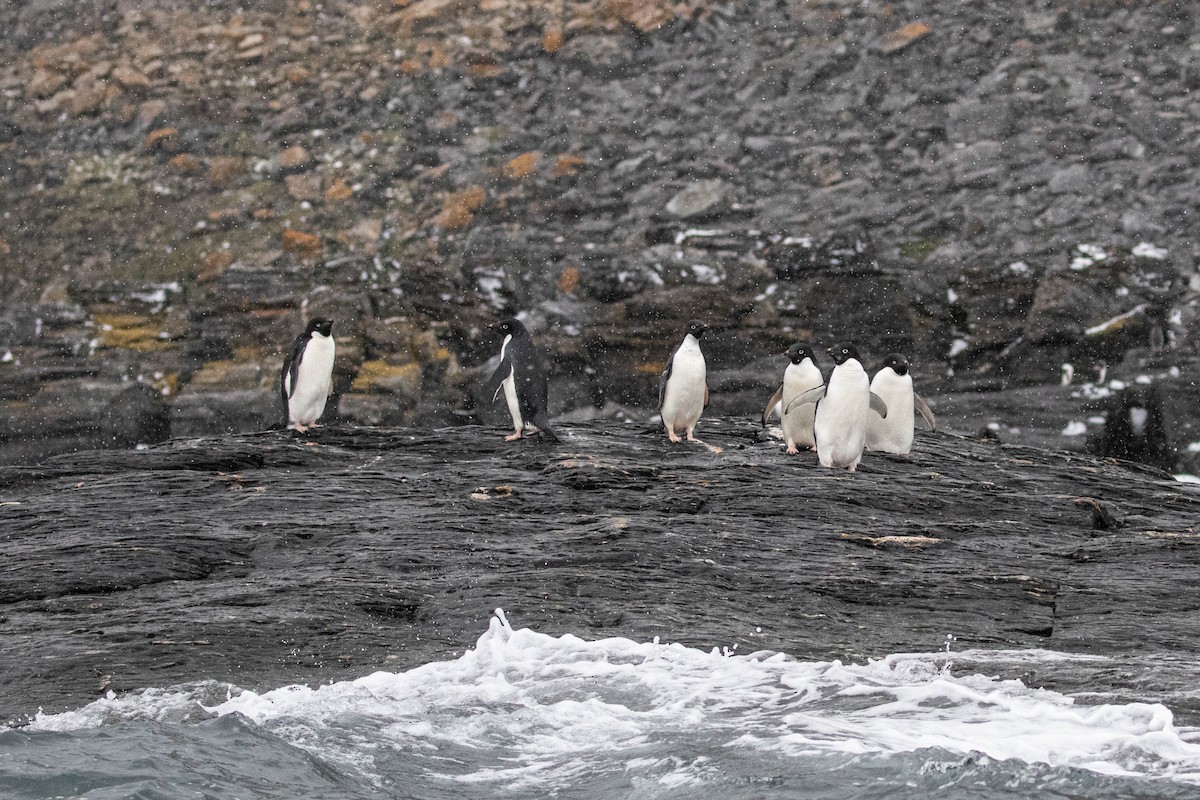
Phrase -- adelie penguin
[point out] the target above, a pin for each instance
(521, 377)
(801, 375)
(844, 406)
(683, 386)
(894, 385)
(307, 375)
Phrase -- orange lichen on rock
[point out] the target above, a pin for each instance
(642, 14)
(414, 15)
(160, 138)
(338, 191)
(458, 209)
(483, 66)
(902, 37)
(223, 170)
(568, 164)
(294, 157)
(552, 39)
(568, 280)
(303, 244)
(522, 166)
(213, 264)
(185, 163)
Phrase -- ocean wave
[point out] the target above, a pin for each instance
(530, 712)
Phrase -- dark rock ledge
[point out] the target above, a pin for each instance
(266, 559)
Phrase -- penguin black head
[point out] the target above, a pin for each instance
(897, 362)
(843, 352)
(696, 328)
(510, 326)
(321, 325)
(800, 351)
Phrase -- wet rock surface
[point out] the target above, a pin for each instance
(268, 558)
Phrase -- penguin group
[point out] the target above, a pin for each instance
(839, 417)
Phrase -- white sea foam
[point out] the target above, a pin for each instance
(530, 712)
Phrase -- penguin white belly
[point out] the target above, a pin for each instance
(798, 423)
(313, 381)
(683, 400)
(893, 434)
(509, 385)
(841, 421)
(510, 397)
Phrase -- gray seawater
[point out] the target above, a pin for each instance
(526, 715)
(231, 758)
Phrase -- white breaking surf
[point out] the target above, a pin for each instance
(531, 712)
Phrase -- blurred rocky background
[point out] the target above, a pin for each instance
(995, 190)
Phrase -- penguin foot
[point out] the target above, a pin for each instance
(512, 437)
(296, 426)
(791, 450)
(673, 436)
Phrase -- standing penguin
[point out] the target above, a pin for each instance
(843, 408)
(894, 385)
(523, 381)
(801, 375)
(683, 386)
(307, 375)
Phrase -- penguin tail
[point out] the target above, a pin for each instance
(543, 424)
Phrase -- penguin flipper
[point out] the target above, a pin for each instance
(662, 383)
(495, 382)
(923, 407)
(706, 395)
(804, 398)
(774, 401)
(878, 406)
(290, 373)
(283, 388)
(291, 367)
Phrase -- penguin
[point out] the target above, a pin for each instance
(843, 407)
(521, 377)
(801, 375)
(894, 385)
(307, 375)
(683, 386)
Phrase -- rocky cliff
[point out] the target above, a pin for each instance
(994, 190)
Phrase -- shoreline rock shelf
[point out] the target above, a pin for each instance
(269, 558)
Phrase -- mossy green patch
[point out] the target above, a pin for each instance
(919, 249)
(382, 376)
(143, 334)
